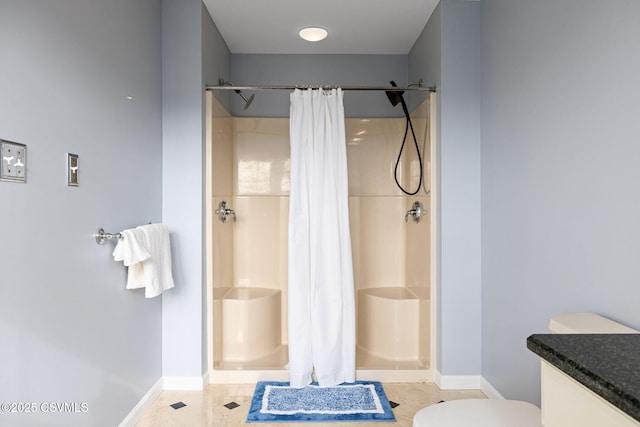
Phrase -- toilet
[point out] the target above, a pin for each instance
(509, 413)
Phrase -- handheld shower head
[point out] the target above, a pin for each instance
(395, 96)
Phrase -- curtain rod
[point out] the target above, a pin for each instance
(370, 88)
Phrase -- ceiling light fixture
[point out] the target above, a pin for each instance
(313, 34)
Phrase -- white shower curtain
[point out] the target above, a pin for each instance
(321, 295)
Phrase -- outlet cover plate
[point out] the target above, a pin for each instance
(72, 170)
(14, 161)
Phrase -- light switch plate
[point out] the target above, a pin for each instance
(14, 161)
(72, 170)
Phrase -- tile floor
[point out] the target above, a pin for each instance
(206, 408)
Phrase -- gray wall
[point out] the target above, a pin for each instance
(560, 153)
(460, 187)
(345, 70)
(447, 54)
(192, 51)
(69, 330)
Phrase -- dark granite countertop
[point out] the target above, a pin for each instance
(607, 364)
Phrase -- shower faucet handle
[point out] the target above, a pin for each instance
(223, 212)
(416, 212)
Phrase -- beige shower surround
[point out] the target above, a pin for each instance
(390, 258)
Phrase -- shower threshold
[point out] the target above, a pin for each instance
(367, 361)
(279, 359)
(273, 368)
(273, 361)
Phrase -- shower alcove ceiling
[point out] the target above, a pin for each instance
(248, 168)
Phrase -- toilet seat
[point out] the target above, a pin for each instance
(479, 413)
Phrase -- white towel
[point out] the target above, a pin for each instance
(147, 252)
(157, 269)
(131, 248)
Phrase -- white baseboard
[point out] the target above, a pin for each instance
(466, 382)
(206, 380)
(164, 383)
(488, 389)
(186, 383)
(143, 405)
(457, 382)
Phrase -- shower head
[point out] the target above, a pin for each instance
(247, 101)
(395, 96)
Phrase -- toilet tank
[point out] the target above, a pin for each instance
(587, 323)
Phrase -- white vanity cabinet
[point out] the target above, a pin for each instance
(567, 403)
(589, 380)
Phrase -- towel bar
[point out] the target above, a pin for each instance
(102, 236)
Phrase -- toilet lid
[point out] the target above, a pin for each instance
(479, 413)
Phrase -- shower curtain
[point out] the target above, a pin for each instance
(321, 291)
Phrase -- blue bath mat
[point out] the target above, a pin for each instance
(276, 402)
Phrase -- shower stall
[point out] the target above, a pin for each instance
(247, 200)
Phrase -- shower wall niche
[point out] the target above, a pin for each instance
(250, 172)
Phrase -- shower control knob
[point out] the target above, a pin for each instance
(416, 212)
(223, 212)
